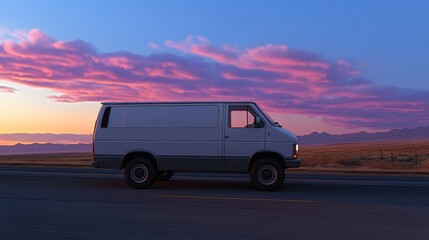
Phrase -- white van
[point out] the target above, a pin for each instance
(151, 141)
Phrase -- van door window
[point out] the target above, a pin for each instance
(241, 117)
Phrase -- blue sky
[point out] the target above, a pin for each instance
(336, 66)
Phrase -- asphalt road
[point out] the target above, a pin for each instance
(70, 203)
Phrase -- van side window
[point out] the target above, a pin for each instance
(241, 117)
(106, 116)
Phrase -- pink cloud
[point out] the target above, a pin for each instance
(201, 46)
(114, 61)
(280, 78)
(281, 55)
(5, 89)
(153, 45)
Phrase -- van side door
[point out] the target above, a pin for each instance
(243, 136)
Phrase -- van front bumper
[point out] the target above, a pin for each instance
(293, 163)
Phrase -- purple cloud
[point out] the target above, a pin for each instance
(280, 78)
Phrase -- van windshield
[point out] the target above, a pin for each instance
(268, 117)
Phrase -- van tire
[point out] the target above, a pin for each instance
(164, 176)
(267, 174)
(140, 173)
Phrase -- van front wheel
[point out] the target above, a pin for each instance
(267, 174)
(140, 173)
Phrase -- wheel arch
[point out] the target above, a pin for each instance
(131, 155)
(265, 154)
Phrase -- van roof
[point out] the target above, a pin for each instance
(177, 102)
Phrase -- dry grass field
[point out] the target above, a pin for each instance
(49, 159)
(403, 155)
(377, 155)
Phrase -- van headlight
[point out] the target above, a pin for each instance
(295, 151)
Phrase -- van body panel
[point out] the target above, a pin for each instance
(189, 163)
(235, 164)
(107, 161)
(165, 116)
(169, 132)
(188, 136)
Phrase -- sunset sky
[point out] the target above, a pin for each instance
(334, 66)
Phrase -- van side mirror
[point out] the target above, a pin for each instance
(258, 122)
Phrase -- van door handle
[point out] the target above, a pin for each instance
(226, 137)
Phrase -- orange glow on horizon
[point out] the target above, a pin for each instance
(29, 111)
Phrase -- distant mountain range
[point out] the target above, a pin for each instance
(420, 133)
(63, 138)
(44, 148)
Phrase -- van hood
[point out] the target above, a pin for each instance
(281, 134)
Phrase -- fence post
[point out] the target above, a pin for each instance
(415, 157)
(391, 157)
(381, 154)
(361, 155)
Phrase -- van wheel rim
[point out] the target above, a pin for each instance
(139, 173)
(267, 174)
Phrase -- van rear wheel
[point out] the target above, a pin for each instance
(164, 176)
(140, 173)
(267, 174)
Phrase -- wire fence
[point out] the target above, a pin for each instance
(384, 158)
